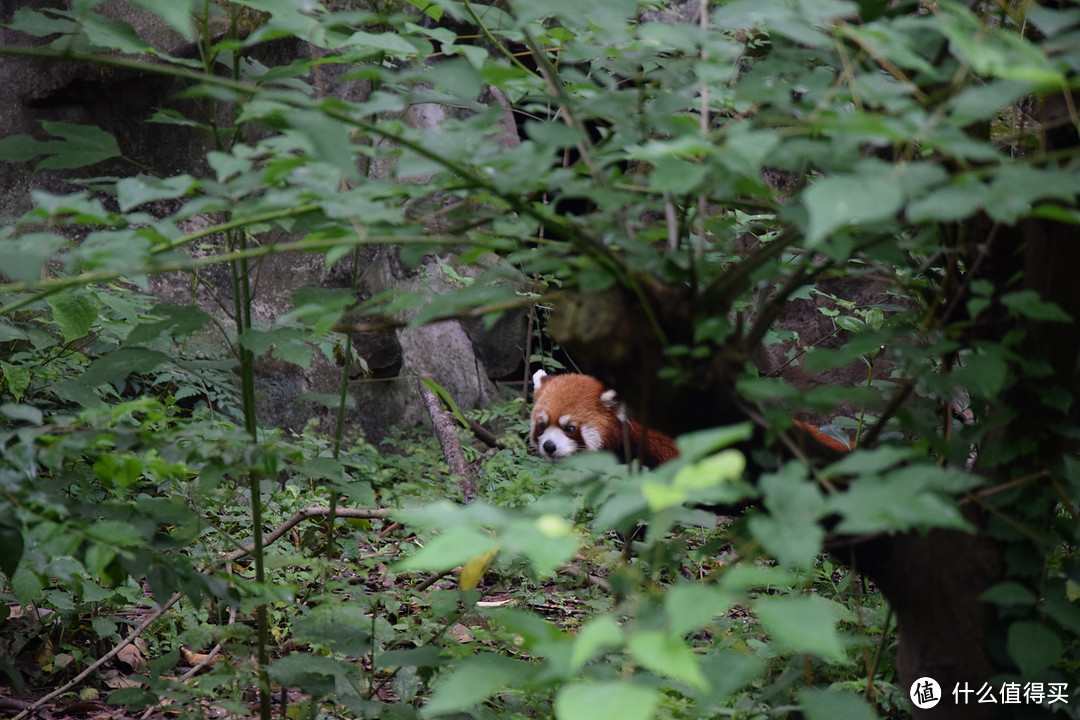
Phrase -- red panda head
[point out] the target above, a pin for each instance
(572, 413)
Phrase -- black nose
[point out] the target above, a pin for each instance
(550, 447)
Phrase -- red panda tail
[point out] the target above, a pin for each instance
(821, 438)
(652, 446)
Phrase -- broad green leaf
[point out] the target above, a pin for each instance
(606, 701)
(696, 445)
(456, 546)
(956, 201)
(131, 192)
(112, 33)
(597, 635)
(176, 13)
(75, 313)
(17, 379)
(118, 364)
(1028, 304)
(344, 628)
(1033, 647)
(178, 321)
(995, 51)
(1009, 593)
(474, 680)
(802, 624)
(985, 373)
(116, 532)
(692, 606)
(328, 139)
(875, 504)
(389, 43)
(715, 478)
(80, 145)
(287, 343)
(843, 201)
(731, 670)
(790, 532)
(23, 413)
(313, 674)
(37, 24)
(668, 656)
(547, 543)
(25, 256)
(832, 703)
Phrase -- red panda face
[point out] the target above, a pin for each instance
(572, 413)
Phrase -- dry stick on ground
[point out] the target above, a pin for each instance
(314, 511)
(444, 423)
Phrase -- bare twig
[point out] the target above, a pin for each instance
(444, 423)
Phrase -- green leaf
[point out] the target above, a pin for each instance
(112, 33)
(985, 373)
(899, 501)
(802, 624)
(75, 313)
(328, 140)
(667, 656)
(389, 43)
(691, 606)
(832, 703)
(474, 680)
(456, 546)
(1009, 593)
(177, 14)
(701, 443)
(118, 364)
(843, 201)
(35, 23)
(790, 532)
(131, 192)
(1030, 305)
(288, 344)
(17, 378)
(116, 532)
(1033, 647)
(606, 701)
(81, 145)
(23, 413)
(177, 322)
(25, 256)
(344, 628)
(596, 635)
(313, 674)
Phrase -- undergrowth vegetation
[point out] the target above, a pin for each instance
(654, 185)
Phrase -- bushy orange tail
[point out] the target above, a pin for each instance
(821, 438)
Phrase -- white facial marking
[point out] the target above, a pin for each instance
(592, 437)
(554, 444)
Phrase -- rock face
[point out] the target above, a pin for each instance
(464, 357)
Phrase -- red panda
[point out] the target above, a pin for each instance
(821, 438)
(572, 413)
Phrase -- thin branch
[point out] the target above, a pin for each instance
(444, 430)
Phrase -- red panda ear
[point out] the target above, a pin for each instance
(610, 399)
(538, 379)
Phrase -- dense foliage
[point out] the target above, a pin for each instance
(705, 169)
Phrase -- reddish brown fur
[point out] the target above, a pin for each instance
(821, 438)
(658, 447)
(585, 399)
